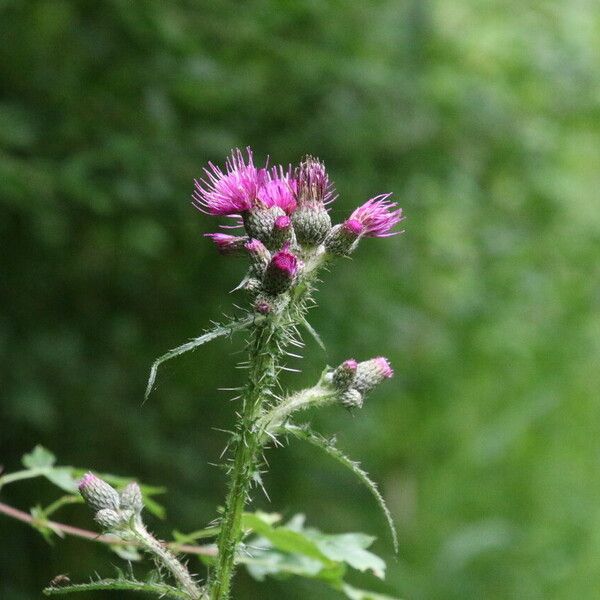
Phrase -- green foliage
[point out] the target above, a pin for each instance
(292, 549)
(481, 117)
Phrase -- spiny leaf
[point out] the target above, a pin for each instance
(314, 334)
(161, 589)
(306, 434)
(217, 331)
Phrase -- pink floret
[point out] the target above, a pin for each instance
(231, 192)
(378, 216)
(384, 366)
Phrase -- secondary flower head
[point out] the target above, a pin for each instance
(227, 244)
(281, 271)
(313, 185)
(230, 192)
(371, 373)
(377, 216)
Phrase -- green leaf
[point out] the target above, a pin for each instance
(351, 549)
(356, 594)
(63, 478)
(264, 561)
(285, 539)
(217, 331)
(317, 440)
(38, 458)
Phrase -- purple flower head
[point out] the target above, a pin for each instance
(231, 192)
(279, 189)
(313, 185)
(350, 364)
(354, 227)
(227, 244)
(285, 262)
(377, 216)
(383, 364)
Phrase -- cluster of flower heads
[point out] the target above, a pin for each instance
(354, 380)
(285, 216)
(113, 511)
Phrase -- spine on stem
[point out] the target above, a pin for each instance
(265, 352)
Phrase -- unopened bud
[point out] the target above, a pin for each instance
(344, 375)
(311, 219)
(108, 518)
(281, 272)
(351, 398)
(98, 494)
(282, 231)
(343, 239)
(371, 373)
(131, 498)
(263, 306)
(312, 223)
(259, 256)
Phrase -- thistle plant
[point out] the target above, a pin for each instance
(280, 224)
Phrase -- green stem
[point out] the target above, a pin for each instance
(166, 558)
(265, 352)
(318, 395)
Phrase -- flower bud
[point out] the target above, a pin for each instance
(282, 231)
(351, 398)
(371, 373)
(281, 272)
(311, 219)
(263, 306)
(343, 239)
(109, 519)
(344, 375)
(131, 498)
(259, 222)
(311, 224)
(98, 494)
(259, 256)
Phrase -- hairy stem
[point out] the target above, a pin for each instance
(318, 395)
(167, 559)
(264, 356)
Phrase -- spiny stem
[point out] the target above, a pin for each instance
(318, 395)
(165, 558)
(264, 357)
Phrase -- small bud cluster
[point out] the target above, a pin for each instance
(285, 216)
(355, 380)
(112, 510)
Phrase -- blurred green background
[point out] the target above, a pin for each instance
(483, 118)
